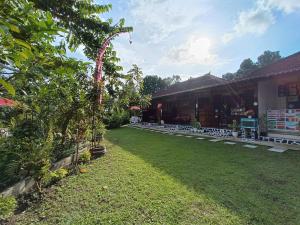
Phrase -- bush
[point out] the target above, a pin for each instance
(195, 123)
(7, 206)
(117, 118)
(25, 153)
(85, 156)
(55, 176)
(62, 150)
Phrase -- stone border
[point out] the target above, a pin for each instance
(27, 184)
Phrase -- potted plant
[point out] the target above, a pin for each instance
(235, 132)
(195, 124)
(97, 149)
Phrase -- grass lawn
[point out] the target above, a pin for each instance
(151, 178)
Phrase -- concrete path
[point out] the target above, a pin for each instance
(216, 140)
(229, 143)
(278, 149)
(250, 146)
(200, 138)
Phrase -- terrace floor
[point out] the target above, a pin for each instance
(153, 178)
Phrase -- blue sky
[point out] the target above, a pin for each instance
(193, 37)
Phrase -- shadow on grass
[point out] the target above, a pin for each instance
(260, 186)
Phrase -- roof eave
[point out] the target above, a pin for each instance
(297, 69)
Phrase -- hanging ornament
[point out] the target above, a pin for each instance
(130, 40)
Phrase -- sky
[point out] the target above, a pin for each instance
(193, 37)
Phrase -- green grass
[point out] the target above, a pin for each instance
(150, 178)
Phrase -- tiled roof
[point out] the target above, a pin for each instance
(286, 65)
(201, 82)
(283, 66)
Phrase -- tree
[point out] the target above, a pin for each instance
(126, 93)
(84, 27)
(246, 67)
(268, 57)
(80, 20)
(55, 92)
(229, 76)
(153, 83)
(133, 88)
(172, 80)
(134, 78)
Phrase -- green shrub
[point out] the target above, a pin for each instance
(234, 126)
(117, 118)
(7, 206)
(61, 173)
(195, 123)
(55, 176)
(85, 156)
(25, 153)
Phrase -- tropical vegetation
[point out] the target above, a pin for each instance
(54, 94)
(151, 178)
(247, 66)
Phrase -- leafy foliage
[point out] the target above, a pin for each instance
(54, 176)
(117, 118)
(153, 83)
(55, 92)
(7, 206)
(121, 95)
(268, 57)
(85, 156)
(247, 67)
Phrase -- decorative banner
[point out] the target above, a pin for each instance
(7, 102)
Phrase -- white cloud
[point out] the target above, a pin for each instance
(255, 21)
(160, 18)
(288, 6)
(128, 54)
(196, 50)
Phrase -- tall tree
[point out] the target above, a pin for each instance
(54, 91)
(154, 83)
(268, 57)
(134, 78)
(172, 80)
(246, 67)
(81, 20)
(229, 76)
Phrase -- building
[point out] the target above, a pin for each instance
(270, 94)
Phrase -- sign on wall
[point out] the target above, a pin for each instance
(284, 120)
